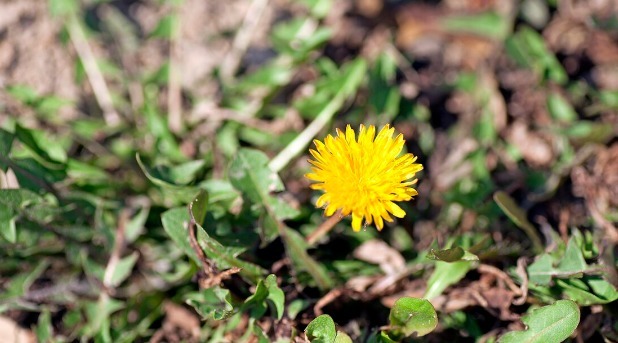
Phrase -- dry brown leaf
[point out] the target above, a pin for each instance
(378, 252)
(534, 149)
(180, 317)
(10, 332)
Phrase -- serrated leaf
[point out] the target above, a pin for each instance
(321, 330)
(549, 324)
(412, 316)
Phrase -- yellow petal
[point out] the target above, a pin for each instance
(356, 222)
(395, 210)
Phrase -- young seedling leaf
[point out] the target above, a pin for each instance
(412, 316)
(321, 330)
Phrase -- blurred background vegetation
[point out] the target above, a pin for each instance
(115, 115)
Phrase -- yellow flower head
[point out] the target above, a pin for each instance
(363, 177)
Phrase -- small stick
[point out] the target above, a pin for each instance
(114, 258)
(95, 77)
(324, 228)
(174, 96)
(243, 38)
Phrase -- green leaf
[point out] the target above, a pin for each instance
(14, 202)
(527, 47)
(175, 176)
(175, 223)
(98, 314)
(295, 247)
(124, 269)
(249, 173)
(560, 109)
(214, 301)
(268, 289)
(19, 284)
(444, 275)
(541, 271)
(6, 141)
(62, 7)
(583, 131)
(412, 316)
(43, 147)
(7, 224)
(318, 8)
(296, 306)
(321, 330)
(44, 330)
(452, 255)
(573, 260)
(590, 290)
(164, 27)
(572, 264)
(549, 324)
(518, 216)
(488, 24)
(342, 337)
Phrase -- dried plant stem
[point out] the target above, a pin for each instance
(95, 77)
(243, 38)
(174, 96)
(324, 228)
(300, 142)
(119, 244)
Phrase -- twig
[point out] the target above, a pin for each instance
(489, 269)
(327, 299)
(243, 38)
(521, 271)
(174, 97)
(207, 266)
(300, 142)
(324, 228)
(95, 77)
(212, 275)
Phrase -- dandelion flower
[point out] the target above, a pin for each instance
(363, 177)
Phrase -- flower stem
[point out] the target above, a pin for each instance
(324, 228)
